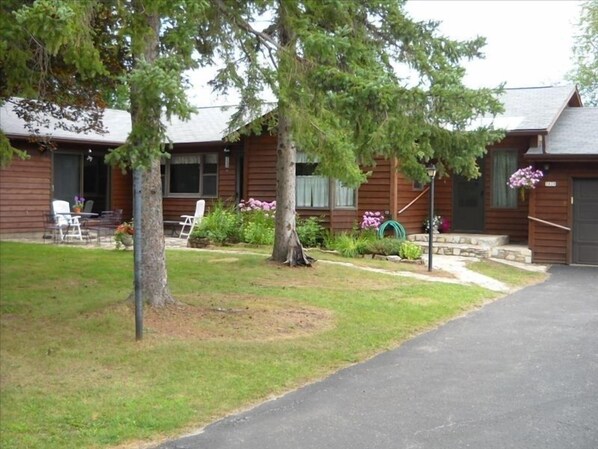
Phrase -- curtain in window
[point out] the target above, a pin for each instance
(504, 164)
(345, 196)
(312, 191)
(185, 159)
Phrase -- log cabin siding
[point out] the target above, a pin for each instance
(374, 194)
(550, 244)
(412, 217)
(443, 199)
(260, 167)
(121, 192)
(25, 192)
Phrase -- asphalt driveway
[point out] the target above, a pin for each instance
(520, 373)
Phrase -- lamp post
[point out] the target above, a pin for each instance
(431, 170)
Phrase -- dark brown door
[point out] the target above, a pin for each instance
(585, 221)
(468, 204)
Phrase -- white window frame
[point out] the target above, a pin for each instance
(167, 163)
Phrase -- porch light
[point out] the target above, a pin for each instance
(431, 171)
(226, 157)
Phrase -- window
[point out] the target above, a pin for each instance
(504, 164)
(313, 191)
(344, 196)
(190, 175)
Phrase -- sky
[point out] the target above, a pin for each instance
(528, 41)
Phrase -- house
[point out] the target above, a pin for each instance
(547, 127)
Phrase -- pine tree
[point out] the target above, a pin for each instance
(332, 66)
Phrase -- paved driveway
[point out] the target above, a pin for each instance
(520, 373)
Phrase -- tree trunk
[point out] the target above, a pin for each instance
(286, 241)
(153, 278)
(285, 189)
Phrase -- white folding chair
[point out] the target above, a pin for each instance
(190, 221)
(68, 225)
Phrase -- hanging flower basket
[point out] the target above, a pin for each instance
(525, 179)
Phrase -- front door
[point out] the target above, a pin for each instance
(468, 204)
(585, 221)
(81, 174)
(67, 176)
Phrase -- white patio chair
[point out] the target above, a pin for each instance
(68, 225)
(190, 221)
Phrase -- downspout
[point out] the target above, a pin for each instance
(542, 139)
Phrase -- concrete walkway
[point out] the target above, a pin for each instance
(520, 373)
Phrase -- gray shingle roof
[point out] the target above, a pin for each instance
(534, 108)
(207, 125)
(117, 123)
(574, 134)
(526, 109)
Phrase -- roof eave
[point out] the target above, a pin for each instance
(563, 157)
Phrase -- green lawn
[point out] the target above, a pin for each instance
(72, 375)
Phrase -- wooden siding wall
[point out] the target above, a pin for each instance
(550, 244)
(260, 167)
(121, 189)
(25, 192)
(374, 194)
(412, 218)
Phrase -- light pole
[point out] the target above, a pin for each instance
(431, 170)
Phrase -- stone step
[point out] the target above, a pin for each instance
(463, 239)
(456, 249)
(513, 253)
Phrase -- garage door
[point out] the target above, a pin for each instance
(585, 221)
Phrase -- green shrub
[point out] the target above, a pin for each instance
(258, 233)
(410, 251)
(258, 227)
(328, 239)
(387, 247)
(310, 231)
(350, 246)
(221, 225)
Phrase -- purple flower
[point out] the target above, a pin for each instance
(371, 220)
(525, 178)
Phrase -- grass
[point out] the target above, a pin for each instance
(511, 276)
(73, 377)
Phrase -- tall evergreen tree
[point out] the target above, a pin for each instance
(332, 66)
(585, 53)
(78, 55)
